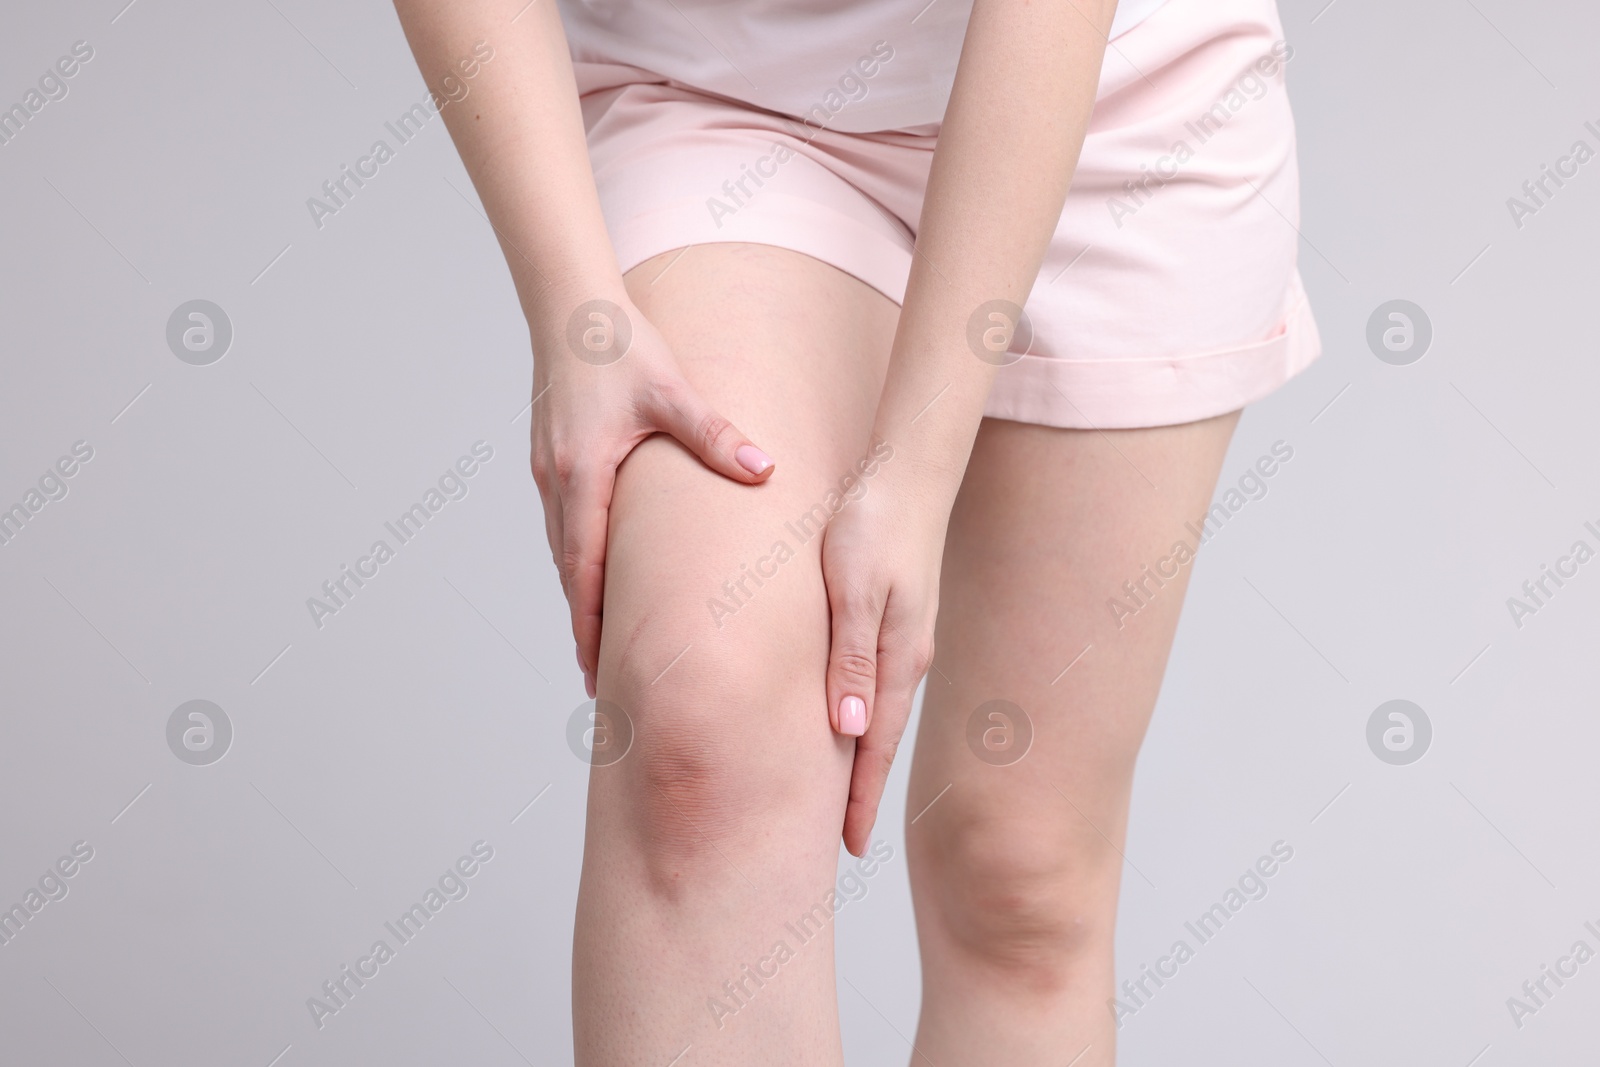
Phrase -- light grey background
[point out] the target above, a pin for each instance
(370, 754)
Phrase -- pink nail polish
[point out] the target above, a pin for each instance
(853, 716)
(588, 684)
(752, 459)
(579, 653)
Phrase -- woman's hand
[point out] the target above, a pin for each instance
(880, 561)
(1023, 94)
(604, 380)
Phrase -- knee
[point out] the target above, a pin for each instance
(702, 781)
(1034, 906)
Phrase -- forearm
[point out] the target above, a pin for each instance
(1023, 94)
(520, 133)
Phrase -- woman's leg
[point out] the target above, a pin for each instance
(713, 843)
(1015, 868)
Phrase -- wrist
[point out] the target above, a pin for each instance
(904, 472)
(931, 431)
(548, 304)
(584, 317)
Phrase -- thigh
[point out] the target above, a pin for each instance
(1051, 528)
(715, 625)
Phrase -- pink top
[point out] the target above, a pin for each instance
(848, 65)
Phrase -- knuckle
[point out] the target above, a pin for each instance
(855, 664)
(564, 465)
(921, 656)
(911, 648)
(852, 593)
(710, 429)
(571, 561)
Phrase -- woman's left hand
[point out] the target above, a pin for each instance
(880, 561)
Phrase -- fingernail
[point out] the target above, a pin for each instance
(853, 716)
(579, 653)
(752, 459)
(588, 684)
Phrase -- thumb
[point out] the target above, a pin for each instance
(677, 409)
(852, 656)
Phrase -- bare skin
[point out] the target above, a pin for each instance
(721, 825)
(1013, 127)
(764, 734)
(712, 834)
(1015, 869)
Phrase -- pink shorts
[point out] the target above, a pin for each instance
(1170, 290)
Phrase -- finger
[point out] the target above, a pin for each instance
(874, 758)
(553, 531)
(900, 670)
(679, 410)
(552, 534)
(852, 653)
(549, 498)
(585, 512)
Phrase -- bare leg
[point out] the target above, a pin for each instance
(712, 845)
(1015, 870)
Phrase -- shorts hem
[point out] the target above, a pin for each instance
(1119, 394)
(867, 254)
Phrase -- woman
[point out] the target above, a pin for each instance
(786, 406)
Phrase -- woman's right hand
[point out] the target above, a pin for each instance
(604, 380)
